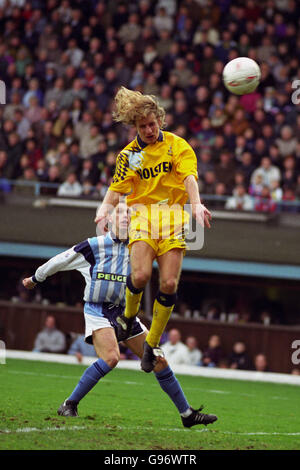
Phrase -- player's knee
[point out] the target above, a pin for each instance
(112, 358)
(169, 286)
(140, 278)
(161, 364)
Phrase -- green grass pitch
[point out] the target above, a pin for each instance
(128, 410)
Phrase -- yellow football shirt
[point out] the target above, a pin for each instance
(155, 173)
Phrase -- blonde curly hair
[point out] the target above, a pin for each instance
(130, 106)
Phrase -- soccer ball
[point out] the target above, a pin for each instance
(241, 75)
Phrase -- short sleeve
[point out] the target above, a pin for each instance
(123, 178)
(185, 161)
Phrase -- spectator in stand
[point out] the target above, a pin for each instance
(54, 62)
(131, 30)
(194, 354)
(162, 21)
(213, 354)
(89, 142)
(56, 93)
(287, 142)
(25, 189)
(212, 311)
(240, 200)
(239, 358)
(53, 177)
(239, 178)
(64, 164)
(220, 192)
(80, 348)
(289, 172)
(261, 363)
(208, 183)
(175, 351)
(276, 191)
(256, 187)
(289, 199)
(34, 112)
(240, 122)
(264, 202)
(225, 170)
(77, 91)
(50, 339)
(71, 187)
(22, 124)
(87, 171)
(268, 171)
(205, 162)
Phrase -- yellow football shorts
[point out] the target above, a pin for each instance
(161, 226)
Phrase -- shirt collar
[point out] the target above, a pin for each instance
(143, 144)
(116, 239)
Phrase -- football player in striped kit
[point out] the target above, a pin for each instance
(104, 263)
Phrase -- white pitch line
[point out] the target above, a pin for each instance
(143, 428)
(261, 433)
(25, 430)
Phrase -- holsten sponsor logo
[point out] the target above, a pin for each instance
(152, 172)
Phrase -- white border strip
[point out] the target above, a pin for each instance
(194, 371)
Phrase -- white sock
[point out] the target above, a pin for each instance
(186, 413)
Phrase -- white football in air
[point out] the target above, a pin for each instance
(241, 75)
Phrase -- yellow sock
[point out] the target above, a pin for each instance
(132, 303)
(161, 315)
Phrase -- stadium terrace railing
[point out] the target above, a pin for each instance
(218, 202)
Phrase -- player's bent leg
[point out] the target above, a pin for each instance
(107, 349)
(137, 346)
(106, 346)
(141, 260)
(142, 256)
(169, 270)
(170, 264)
(171, 386)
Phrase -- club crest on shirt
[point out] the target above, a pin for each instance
(135, 160)
(170, 151)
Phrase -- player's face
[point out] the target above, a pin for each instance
(148, 128)
(121, 221)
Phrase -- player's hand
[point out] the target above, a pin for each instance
(202, 215)
(102, 219)
(28, 283)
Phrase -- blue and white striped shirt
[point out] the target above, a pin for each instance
(104, 263)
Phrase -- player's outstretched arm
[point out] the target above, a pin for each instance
(199, 211)
(66, 261)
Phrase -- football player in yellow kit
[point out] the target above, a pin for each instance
(158, 172)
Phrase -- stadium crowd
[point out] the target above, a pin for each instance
(51, 340)
(62, 62)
